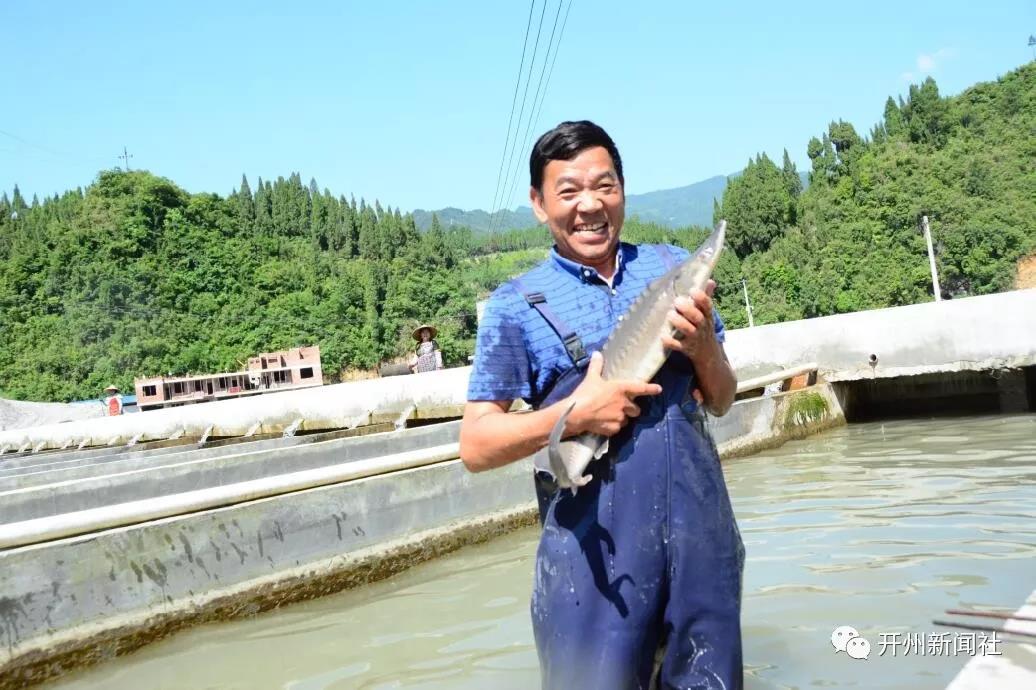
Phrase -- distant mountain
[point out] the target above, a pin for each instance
(679, 207)
(477, 220)
(690, 205)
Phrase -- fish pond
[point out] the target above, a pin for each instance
(878, 526)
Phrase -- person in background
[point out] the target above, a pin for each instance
(113, 401)
(428, 356)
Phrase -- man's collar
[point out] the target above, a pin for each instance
(588, 274)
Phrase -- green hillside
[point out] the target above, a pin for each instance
(851, 240)
(134, 276)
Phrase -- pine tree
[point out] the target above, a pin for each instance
(300, 205)
(17, 202)
(894, 125)
(245, 204)
(925, 113)
(791, 176)
(757, 205)
(368, 240)
(793, 185)
(436, 252)
(263, 208)
(344, 235)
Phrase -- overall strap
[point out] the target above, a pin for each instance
(573, 344)
(666, 256)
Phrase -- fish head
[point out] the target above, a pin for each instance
(694, 273)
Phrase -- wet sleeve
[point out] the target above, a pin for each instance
(721, 330)
(501, 370)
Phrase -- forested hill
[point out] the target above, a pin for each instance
(136, 277)
(851, 240)
(133, 276)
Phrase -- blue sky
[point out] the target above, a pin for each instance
(408, 102)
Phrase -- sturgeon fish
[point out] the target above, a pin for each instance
(634, 352)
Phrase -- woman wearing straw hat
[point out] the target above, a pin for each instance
(428, 356)
(114, 401)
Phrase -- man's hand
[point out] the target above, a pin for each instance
(692, 319)
(696, 339)
(604, 407)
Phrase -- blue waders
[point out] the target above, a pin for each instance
(646, 556)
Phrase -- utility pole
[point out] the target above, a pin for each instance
(931, 259)
(125, 157)
(748, 305)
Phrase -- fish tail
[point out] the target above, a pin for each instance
(557, 463)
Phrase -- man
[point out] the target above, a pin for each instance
(647, 556)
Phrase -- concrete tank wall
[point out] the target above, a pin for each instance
(974, 333)
(82, 599)
(971, 334)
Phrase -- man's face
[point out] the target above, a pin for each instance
(583, 204)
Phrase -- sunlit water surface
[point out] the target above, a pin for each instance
(880, 526)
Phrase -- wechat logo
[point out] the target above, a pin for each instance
(846, 638)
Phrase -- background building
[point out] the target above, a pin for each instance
(267, 372)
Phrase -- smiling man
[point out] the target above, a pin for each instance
(646, 560)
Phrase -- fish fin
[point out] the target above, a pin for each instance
(584, 480)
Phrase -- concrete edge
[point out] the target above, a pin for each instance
(87, 645)
(785, 426)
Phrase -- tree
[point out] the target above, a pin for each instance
(925, 113)
(894, 121)
(17, 202)
(793, 184)
(758, 206)
(245, 204)
(264, 208)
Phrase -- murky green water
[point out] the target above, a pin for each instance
(878, 526)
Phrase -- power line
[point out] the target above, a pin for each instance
(538, 107)
(514, 100)
(47, 149)
(525, 97)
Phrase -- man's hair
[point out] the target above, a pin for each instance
(565, 142)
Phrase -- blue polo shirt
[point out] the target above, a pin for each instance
(519, 355)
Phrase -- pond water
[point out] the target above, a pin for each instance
(881, 526)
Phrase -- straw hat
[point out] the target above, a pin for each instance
(111, 388)
(417, 331)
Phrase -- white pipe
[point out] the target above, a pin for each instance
(761, 381)
(133, 512)
(433, 393)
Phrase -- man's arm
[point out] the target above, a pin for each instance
(716, 378)
(490, 437)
